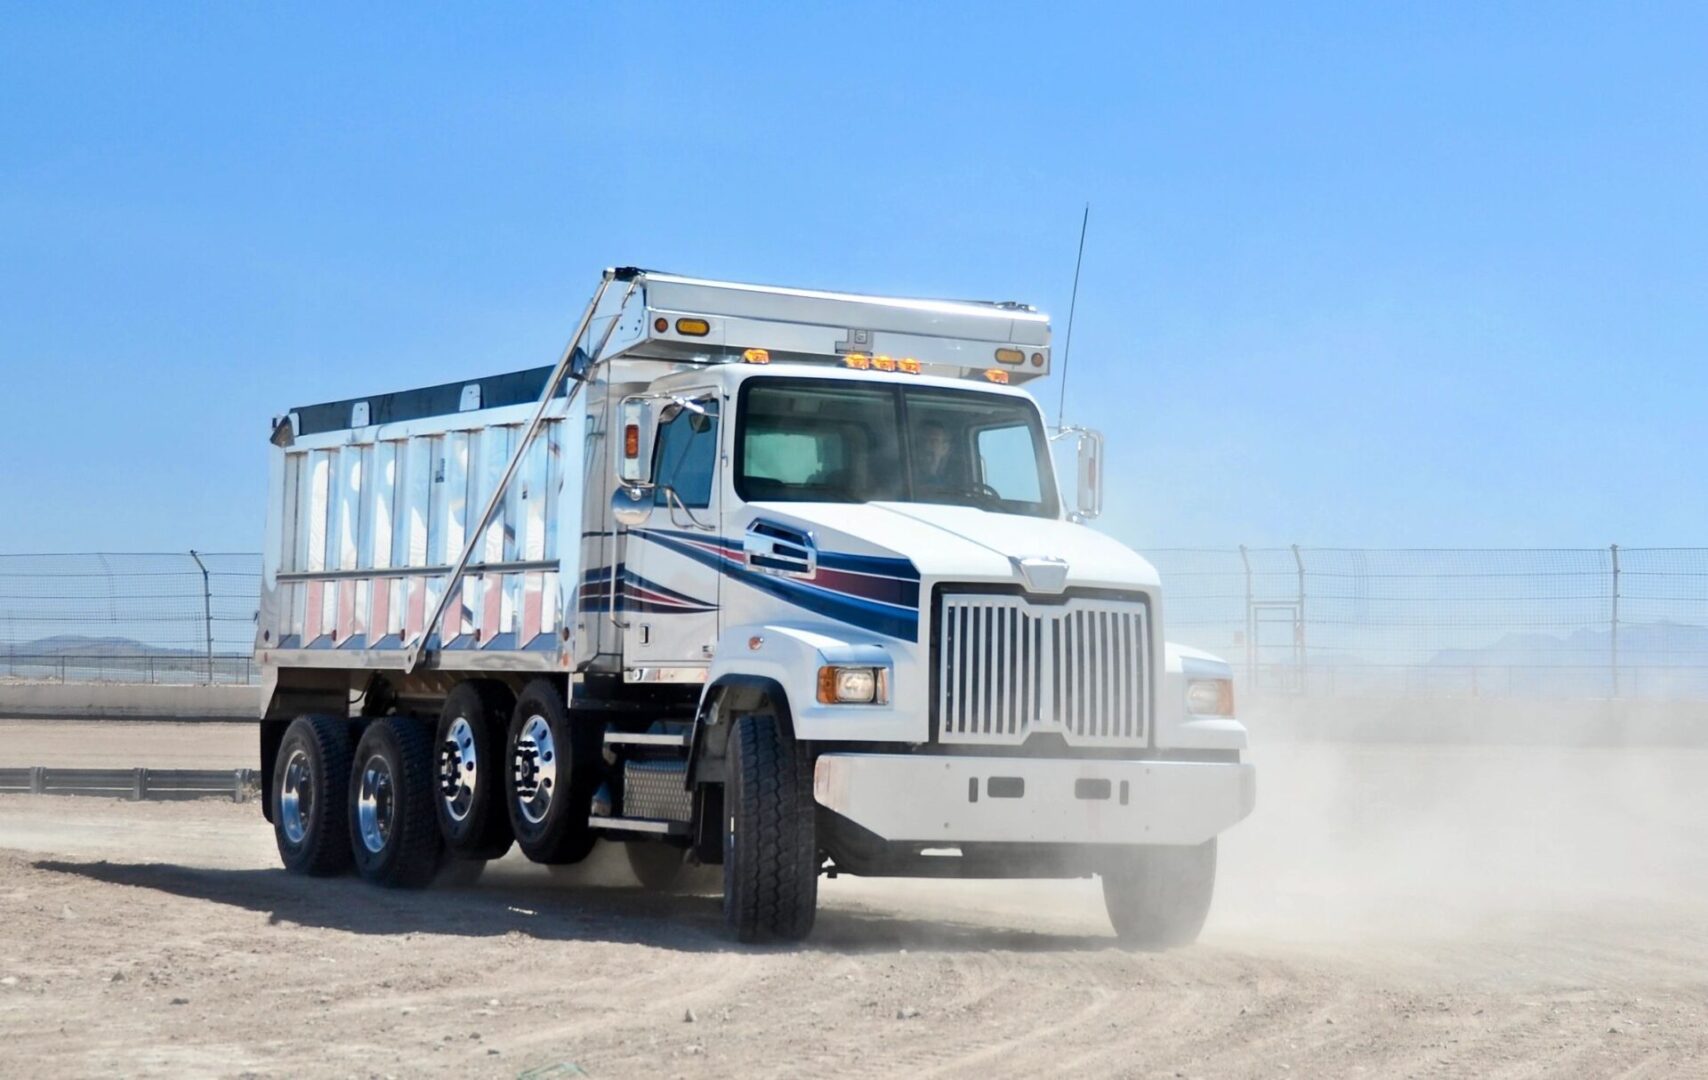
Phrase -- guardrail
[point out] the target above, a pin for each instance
(134, 784)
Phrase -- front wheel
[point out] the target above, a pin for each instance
(1158, 897)
(770, 845)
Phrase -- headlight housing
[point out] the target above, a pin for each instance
(853, 685)
(1210, 697)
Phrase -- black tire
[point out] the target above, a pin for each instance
(469, 768)
(551, 772)
(1158, 897)
(658, 867)
(399, 845)
(314, 765)
(770, 846)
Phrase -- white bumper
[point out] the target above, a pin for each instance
(915, 797)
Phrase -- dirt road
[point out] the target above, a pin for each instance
(1393, 912)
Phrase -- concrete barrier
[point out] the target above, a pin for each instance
(127, 701)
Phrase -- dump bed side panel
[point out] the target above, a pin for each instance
(370, 520)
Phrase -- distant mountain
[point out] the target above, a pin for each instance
(1652, 656)
(81, 645)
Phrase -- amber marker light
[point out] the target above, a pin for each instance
(1011, 356)
(997, 375)
(909, 365)
(693, 327)
(756, 356)
(883, 363)
(857, 361)
(631, 441)
(661, 324)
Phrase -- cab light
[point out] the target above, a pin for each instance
(756, 356)
(1011, 356)
(883, 363)
(693, 327)
(1210, 697)
(857, 361)
(631, 441)
(997, 375)
(909, 365)
(851, 686)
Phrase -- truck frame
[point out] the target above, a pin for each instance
(768, 578)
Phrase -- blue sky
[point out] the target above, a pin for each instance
(1427, 275)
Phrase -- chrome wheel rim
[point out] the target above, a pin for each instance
(459, 775)
(296, 796)
(535, 768)
(376, 803)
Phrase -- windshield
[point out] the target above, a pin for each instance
(815, 440)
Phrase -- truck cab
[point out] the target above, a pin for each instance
(827, 611)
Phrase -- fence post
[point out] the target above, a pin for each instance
(1299, 627)
(1250, 623)
(1613, 637)
(38, 780)
(207, 610)
(139, 784)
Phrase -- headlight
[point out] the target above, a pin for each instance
(1210, 697)
(852, 686)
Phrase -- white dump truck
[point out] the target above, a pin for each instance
(771, 578)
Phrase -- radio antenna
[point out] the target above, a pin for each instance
(1067, 349)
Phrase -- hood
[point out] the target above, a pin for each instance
(963, 543)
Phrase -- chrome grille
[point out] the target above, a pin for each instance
(1007, 668)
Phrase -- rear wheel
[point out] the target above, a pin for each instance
(770, 845)
(470, 770)
(658, 867)
(393, 834)
(551, 774)
(1158, 897)
(309, 812)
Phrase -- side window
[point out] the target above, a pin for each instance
(687, 456)
(1008, 463)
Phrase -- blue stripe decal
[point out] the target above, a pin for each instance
(892, 620)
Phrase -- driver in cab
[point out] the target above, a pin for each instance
(937, 470)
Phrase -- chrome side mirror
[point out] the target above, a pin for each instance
(631, 506)
(1088, 471)
(1090, 492)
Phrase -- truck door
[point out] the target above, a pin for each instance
(668, 595)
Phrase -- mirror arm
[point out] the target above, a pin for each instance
(674, 501)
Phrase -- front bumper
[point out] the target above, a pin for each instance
(920, 798)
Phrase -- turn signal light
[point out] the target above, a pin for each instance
(693, 327)
(997, 375)
(631, 441)
(1011, 356)
(756, 356)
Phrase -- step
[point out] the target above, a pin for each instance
(627, 738)
(640, 825)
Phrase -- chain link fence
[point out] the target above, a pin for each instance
(1349, 622)
(152, 618)
(1536, 623)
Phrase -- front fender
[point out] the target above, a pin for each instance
(790, 655)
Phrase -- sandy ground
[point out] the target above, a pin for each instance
(1388, 912)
